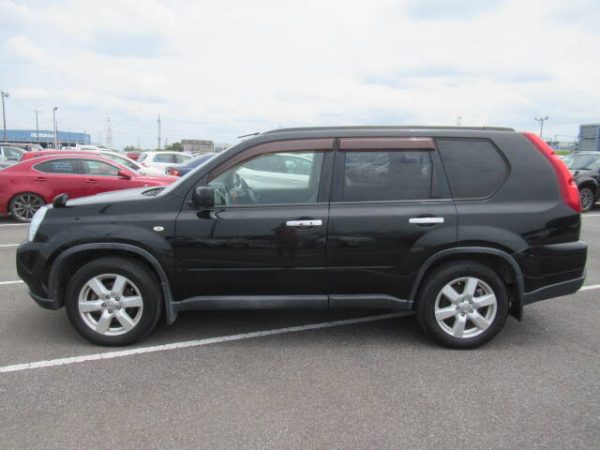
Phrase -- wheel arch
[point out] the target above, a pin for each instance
(501, 262)
(74, 257)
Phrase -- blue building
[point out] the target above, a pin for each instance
(45, 138)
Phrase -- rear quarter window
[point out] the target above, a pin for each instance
(475, 167)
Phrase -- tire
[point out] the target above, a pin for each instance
(472, 284)
(24, 205)
(128, 314)
(588, 198)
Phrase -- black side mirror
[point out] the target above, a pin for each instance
(204, 196)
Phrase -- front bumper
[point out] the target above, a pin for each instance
(31, 268)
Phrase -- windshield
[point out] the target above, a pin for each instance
(583, 162)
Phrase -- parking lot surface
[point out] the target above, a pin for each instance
(343, 383)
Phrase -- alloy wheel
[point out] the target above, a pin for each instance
(24, 206)
(110, 304)
(465, 307)
(587, 199)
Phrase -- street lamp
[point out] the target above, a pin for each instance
(55, 131)
(4, 95)
(541, 120)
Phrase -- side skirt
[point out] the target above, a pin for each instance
(240, 302)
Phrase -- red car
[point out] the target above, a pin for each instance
(26, 186)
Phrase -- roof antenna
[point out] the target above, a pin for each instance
(250, 134)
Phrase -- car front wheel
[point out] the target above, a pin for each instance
(113, 301)
(462, 305)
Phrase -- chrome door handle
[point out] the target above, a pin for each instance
(304, 223)
(426, 220)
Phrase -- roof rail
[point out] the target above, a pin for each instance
(386, 127)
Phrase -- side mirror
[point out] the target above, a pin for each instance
(124, 175)
(204, 196)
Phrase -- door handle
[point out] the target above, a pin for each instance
(41, 179)
(91, 181)
(426, 220)
(304, 223)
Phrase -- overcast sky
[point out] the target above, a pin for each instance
(218, 69)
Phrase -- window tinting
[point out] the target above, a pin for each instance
(265, 180)
(387, 175)
(474, 167)
(58, 166)
(164, 158)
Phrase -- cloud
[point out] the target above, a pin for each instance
(23, 48)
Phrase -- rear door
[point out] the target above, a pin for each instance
(390, 211)
(58, 176)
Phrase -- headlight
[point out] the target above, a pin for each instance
(36, 220)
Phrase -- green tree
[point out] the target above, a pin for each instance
(174, 147)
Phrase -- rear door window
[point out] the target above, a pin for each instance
(387, 175)
(64, 166)
(475, 167)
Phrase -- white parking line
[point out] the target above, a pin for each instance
(13, 225)
(11, 282)
(8, 245)
(194, 343)
(590, 215)
(590, 287)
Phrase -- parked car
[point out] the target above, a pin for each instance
(10, 155)
(462, 226)
(585, 167)
(28, 185)
(113, 156)
(183, 169)
(133, 155)
(162, 160)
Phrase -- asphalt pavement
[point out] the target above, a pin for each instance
(263, 380)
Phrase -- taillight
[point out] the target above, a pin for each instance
(568, 187)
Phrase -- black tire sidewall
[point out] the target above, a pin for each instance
(139, 274)
(434, 283)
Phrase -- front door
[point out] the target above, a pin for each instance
(265, 236)
(390, 210)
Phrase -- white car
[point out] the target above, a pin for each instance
(162, 160)
(130, 163)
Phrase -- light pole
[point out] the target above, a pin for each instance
(541, 120)
(55, 131)
(4, 95)
(37, 125)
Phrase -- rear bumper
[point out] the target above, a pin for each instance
(554, 290)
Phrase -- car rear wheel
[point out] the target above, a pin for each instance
(587, 197)
(23, 206)
(462, 305)
(113, 301)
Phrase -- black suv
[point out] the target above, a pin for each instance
(460, 225)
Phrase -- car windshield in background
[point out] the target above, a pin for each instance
(583, 162)
(199, 160)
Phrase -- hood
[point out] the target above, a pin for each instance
(123, 195)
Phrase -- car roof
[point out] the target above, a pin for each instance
(41, 159)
